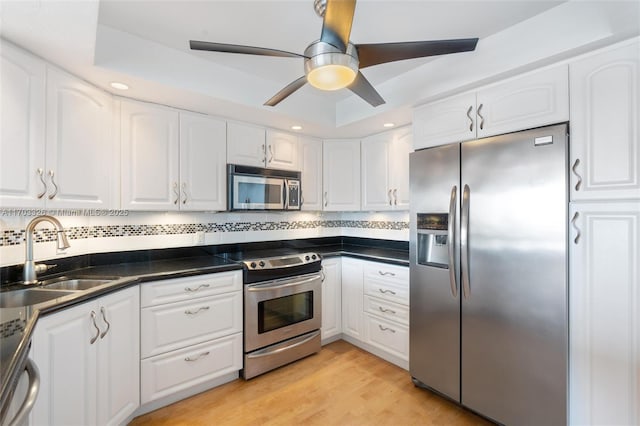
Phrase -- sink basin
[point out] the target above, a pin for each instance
(29, 296)
(75, 284)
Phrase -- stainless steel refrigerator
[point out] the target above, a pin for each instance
(488, 253)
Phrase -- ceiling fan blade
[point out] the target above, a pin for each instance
(236, 48)
(380, 53)
(284, 93)
(336, 26)
(365, 90)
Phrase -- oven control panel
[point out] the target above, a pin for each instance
(282, 261)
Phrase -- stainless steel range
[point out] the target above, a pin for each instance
(282, 309)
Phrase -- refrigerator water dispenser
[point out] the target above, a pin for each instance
(432, 239)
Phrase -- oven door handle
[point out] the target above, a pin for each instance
(268, 352)
(275, 286)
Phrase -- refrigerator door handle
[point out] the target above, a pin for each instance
(453, 276)
(464, 242)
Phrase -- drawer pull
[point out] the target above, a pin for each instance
(386, 328)
(204, 308)
(200, 287)
(387, 274)
(197, 357)
(385, 310)
(386, 291)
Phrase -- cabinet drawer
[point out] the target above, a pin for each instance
(388, 310)
(177, 325)
(386, 272)
(179, 370)
(388, 336)
(391, 290)
(178, 289)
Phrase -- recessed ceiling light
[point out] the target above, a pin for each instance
(388, 124)
(296, 127)
(119, 86)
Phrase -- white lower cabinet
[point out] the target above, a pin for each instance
(604, 364)
(375, 308)
(331, 298)
(88, 358)
(191, 333)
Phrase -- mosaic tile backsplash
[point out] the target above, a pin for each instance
(13, 237)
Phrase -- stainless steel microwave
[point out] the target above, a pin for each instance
(254, 188)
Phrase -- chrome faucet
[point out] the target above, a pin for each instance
(31, 269)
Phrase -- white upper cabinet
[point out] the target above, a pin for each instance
(341, 175)
(203, 161)
(446, 121)
(50, 170)
(246, 145)
(282, 151)
(80, 153)
(150, 157)
(310, 153)
(22, 94)
(605, 147)
(524, 102)
(385, 170)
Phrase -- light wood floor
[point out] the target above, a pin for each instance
(340, 385)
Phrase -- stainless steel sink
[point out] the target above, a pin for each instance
(75, 284)
(30, 296)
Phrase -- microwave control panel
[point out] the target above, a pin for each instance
(294, 193)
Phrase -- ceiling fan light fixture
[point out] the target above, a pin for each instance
(327, 68)
(331, 77)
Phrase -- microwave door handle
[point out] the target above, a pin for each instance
(285, 199)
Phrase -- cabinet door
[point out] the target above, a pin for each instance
(401, 147)
(22, 89)
(203, 162)
(605, 138)
(377, 193)
(446, 121)
(311, 164)
(331, 298)
(524, 102)
(66, 359)
(282, 151)
(352, 298)
(245, 145)
(149, 135)
(118, 356)
(604, 365)
(341, 175)
(79, 145)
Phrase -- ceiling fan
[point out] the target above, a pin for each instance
(333, 62)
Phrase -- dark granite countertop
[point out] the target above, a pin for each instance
(133, 268)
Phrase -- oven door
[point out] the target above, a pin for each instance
(258, 193)
(278, 310)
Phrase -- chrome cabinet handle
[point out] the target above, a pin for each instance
(470, 118)
(395, 197)
(573, 169)
(197, 311)
(464, 242)
(386, 291)
(322, 276)
(197, 357)
(264, 154)
(390, 311)
(386, 328)
(93, 320)
(104, 318)
(390, 199)
(453, 276)
(44, 184)
(53, 182)
(175, 191)
(325, 199)
(385, 274)
(481, 117)
(271, 154)
(575, 227)
(184, 192)
(200, 287)
(30, 399)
